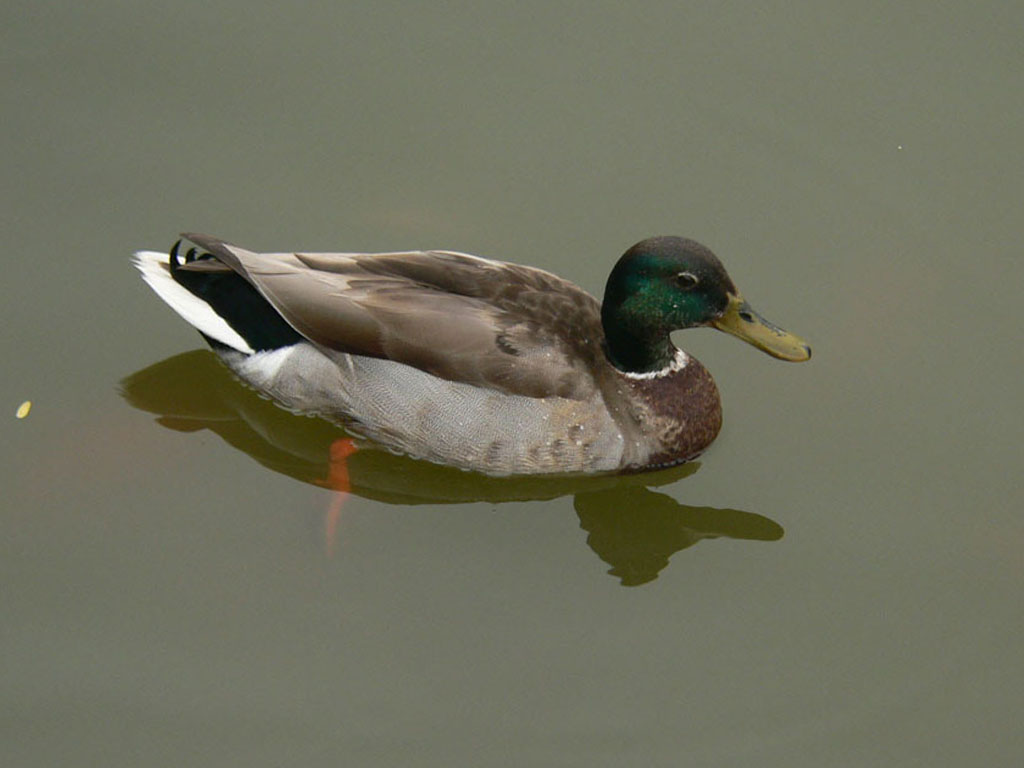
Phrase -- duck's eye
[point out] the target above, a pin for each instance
(686, 280)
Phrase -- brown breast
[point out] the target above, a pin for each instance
(678, 414)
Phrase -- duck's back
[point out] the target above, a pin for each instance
(507, 327)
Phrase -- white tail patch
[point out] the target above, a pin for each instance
(157, 274)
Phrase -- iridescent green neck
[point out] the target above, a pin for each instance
(642, 306)
(636, 350)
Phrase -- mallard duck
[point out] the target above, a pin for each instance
(479, 364)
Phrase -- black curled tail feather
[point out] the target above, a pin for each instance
(232, 297)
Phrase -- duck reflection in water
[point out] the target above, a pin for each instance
(632, 528)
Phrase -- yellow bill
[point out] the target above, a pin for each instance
(741, 320)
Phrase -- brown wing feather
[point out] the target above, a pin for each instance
(503, 326)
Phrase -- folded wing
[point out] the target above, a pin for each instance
(460, 317)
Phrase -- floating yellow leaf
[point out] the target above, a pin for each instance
(23, 409)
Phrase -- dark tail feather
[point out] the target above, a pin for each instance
(229, 294)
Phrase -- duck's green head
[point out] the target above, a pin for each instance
(663, 284)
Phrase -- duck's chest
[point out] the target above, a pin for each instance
(678, 414)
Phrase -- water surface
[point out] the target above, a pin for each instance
(836, 583)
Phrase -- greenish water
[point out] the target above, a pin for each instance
(837, 583)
